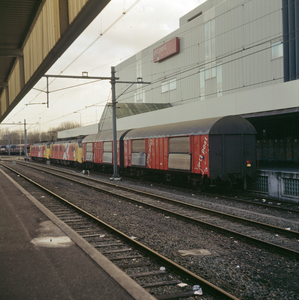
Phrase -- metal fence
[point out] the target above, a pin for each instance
(291, 187)
(260, 184)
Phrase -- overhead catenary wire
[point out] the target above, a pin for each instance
(124, 12)
(249, 46)
(88, 47)
(101, 34)
(197, 67)
(205, 64)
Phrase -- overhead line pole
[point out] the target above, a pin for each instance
(113, 81)
(115, 175)
(25, 131)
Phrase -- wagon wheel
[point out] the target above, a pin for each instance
(200, 184)
(229, 185)
(140, 175)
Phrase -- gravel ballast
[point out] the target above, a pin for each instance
(238, 268)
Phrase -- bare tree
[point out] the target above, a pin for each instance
(65, 126)
(35, 136)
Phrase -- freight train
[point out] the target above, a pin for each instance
(208, 151)
(13, 149)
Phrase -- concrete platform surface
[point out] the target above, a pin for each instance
(43, 258)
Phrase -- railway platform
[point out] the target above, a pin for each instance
(43, 258)
(278, 181)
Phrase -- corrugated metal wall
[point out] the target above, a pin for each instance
(226, 49)
(42, 38)
(14, 84)
(75, 7)
(3, 100)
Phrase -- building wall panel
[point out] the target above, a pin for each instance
(74, 8)
(42, 38)
(14, 84)
(244, 32)
(3, 101)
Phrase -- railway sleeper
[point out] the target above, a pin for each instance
(149, 273)
(135, 265)
(108, 245)
(160, 283)
(93, 235)
(175, 295)
(126, 257)
(116, 251)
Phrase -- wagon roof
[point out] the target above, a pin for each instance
(219, 125)
(67, 142)
(39, 144)
(103, 136)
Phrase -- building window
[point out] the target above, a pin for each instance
(202, 84)
(210, 51)
(210, 70)
(219, 80)
(164, 86)
(168, 85)
(139, 96)
(205, 75)
(277, 50)
(210, 37)
(172, 84)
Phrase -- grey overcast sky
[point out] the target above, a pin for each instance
(145, 22)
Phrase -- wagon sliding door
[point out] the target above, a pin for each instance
(226, 154)
(107, 155)
(233, 153)
(89, 152)
(179, 154)
(138, 153)
(215, 155)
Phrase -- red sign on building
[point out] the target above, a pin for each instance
(169, 48)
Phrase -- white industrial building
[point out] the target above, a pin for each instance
(229, 60)
(228, 57)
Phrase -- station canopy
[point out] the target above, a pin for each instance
(33, 35)
(131, 109)
(124, 110)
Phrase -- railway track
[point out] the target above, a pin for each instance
(264, 201)
(149, 268)
(250, 197)
(273, 238)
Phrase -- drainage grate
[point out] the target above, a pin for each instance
(260, 183)
(291, 187)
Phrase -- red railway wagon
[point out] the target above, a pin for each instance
(210, 150)
(67, 152)
(98, 150)
(38, 151)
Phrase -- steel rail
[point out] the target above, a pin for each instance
(275, 229)
(258, 204)
(208, 286)
(230, 198)
(243, 237)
